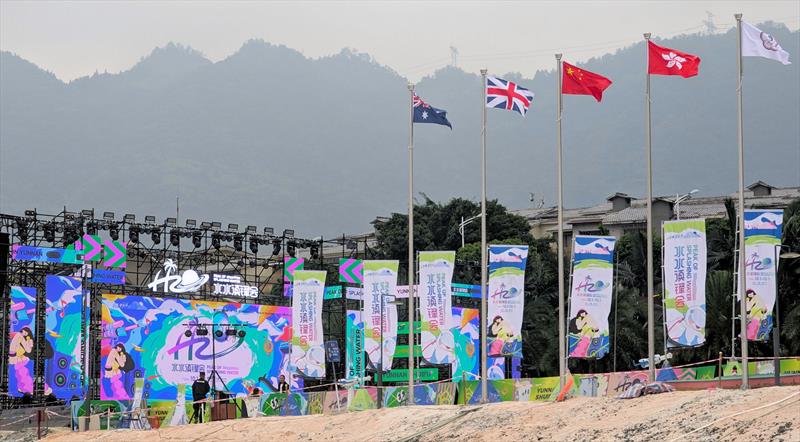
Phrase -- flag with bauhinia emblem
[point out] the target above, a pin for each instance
(666, 61)
(425, 113)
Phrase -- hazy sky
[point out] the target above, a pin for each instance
(77, 38)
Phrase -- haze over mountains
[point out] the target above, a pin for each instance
(271, 138)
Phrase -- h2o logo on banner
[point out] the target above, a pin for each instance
(187, 282)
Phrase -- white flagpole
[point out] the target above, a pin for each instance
(562, 354)
(411, 268)
(651, 334)
(484, 260)
(742, 256)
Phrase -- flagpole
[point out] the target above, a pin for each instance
(742, 289)
(484, 263)
(411, 268)
(651, 334)
(562, 354)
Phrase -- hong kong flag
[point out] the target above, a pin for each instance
(666, 61)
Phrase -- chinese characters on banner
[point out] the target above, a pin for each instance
(762, 238)
(506, 300)
(590, 297)
(435, 306)
(685, 282)
(380, 314)
(308, 351)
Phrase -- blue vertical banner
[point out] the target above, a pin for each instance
(63, 336)
(590, 296)
(506, 299)
(22, 336)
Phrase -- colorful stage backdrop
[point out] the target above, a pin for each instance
(762, 236)
(685, 282)
(64, 334)
(145, 337)
(590, 297)
(21, 332)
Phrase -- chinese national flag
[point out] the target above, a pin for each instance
(666, 61)
(577, 81)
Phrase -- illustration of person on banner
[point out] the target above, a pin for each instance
(762, 235)
(590, 297)
(118, 363)
(19, 355)
(506, 299)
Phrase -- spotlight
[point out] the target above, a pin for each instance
(252, 263)
(113, 230)
(216, 225)
(205, 225)
(276, 246)
(240, 262)
(237, 243)
(218, 333)
(314, 250)
(70, 235)
(91, 228)
(188, 333)
(30, 213)
(171, 221)
(196, 236)
(269, 231)
(290, 248)
(87, 213)
(191, 223)
(129, 218)
(202, 331)
(240, 333)
(150, 219)
(233, 227)
(49, 232)
(108, 216)
(254, 245)
(230, 332)
(251, 230)
(215, 240)
(288, 233)
(175, 237)
(156, 236)
(22, 229)
(351, 245)
(133, 234)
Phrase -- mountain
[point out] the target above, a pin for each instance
(269, 137)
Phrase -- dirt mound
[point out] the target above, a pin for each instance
(660, 417)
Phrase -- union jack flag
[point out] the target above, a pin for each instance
(503, 94)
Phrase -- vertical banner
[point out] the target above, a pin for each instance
(308, 351)
(355, 347)
(21, 330)
(63, 336)
(466, 364)
(380, 314)
(685, 282)
(762, 236)
(506, 299)
(290, 265)
(435, 306)
(590, 297)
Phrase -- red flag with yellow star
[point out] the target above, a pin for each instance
(577, 81)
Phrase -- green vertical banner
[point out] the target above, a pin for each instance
(355, 347)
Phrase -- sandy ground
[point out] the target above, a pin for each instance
(660, 417)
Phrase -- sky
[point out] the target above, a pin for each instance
(77, 38)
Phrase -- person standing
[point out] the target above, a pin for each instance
(283, 386)
(200, 389)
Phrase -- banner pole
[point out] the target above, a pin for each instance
(562, 361)
(651, 345)
(742, 256)
(484, 263)
(411, 245)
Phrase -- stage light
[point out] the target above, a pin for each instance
(196, 236)
(269, 231)
(49, 232)
(240, 333)
(129, 218)
(288, 233)
(133, 234)
(156, 236)
(237, 243)
(276, 246)
(91, 228)
(240, 263)
(70, 235)
(30, 213)
(216, 225)
(201, 331)
(171, 221)
(218, 333)
(88, 213)
(252, 263)
(113, 230)
(250, 230)
(254, 245)
(108, 216)
(314, 251)
(290, 248)
(233, 227)
(175, 237)
(188, 333)
(22, 230)
(230, 332)
(215, 240)
(351, 245)
(150, 219)
(205, 225)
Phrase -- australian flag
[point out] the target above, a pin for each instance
(424, 113)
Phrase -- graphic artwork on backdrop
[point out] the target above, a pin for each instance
(762, 237)
(172, 282)
(21, 331)
(590, 298)
(63, 334)
(685, 282)
(380, 286)
(145, 337)
(435, 306)
(506, 300)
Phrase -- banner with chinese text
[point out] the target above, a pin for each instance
(308, 351)
(435, 306)
(506, 299)
(685, 282)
